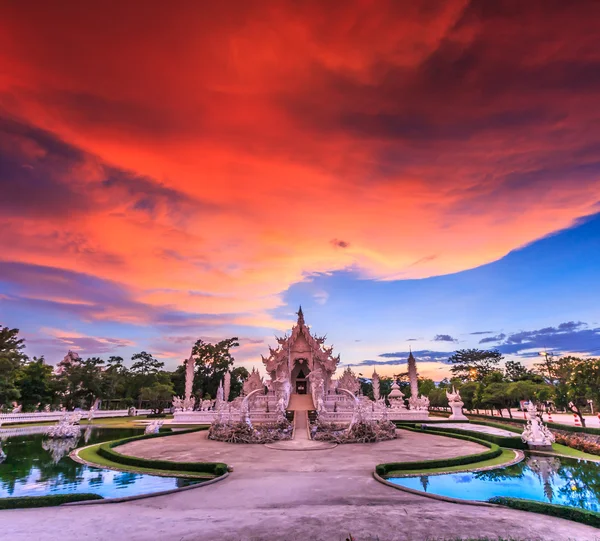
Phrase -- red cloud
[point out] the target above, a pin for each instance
(204, 157)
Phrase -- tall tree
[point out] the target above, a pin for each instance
(474, 364)
(35, 383)
(11, 357)
(212, 362)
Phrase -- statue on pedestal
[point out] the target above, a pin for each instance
(536, 435)
(456, 404)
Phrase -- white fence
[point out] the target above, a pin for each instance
(49, 416)
(207, 417)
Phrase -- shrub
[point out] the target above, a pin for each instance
(570, 513)
(45, 501)
(579, 443)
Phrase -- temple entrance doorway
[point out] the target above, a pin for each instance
(301, 383)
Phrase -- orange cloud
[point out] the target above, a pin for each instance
(206, 158)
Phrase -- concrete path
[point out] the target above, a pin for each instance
(274, 495)
(301, 440)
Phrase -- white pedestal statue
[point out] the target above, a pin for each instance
(456, 404)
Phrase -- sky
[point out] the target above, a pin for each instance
(415, 174)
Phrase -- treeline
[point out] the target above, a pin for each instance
(486, 382)
(78, 383)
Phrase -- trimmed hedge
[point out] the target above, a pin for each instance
(561, 511)
(511, 442)
(45, 501)
(494, 452)
(106, 450)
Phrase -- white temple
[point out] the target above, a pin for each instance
(303, 365)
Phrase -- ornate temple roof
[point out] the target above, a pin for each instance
(316, 345)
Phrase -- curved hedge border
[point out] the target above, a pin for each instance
(107, 451)
(495, 451)
(570, 513)
(45, 501)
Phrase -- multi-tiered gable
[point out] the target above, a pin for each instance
(298, 356)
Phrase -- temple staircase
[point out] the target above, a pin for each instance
(301, 402)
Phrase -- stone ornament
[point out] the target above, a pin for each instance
(536, 434)
(456, 404)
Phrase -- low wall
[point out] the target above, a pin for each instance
(50, 416)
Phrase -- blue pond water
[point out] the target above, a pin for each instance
(37, 466)
(563, 481)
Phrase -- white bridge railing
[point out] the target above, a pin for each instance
(49, 416)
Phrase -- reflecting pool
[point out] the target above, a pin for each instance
(563, 481)
(35, 465)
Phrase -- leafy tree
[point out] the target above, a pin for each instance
(515, 371)
(34, 382)
(474, 364)
(212, 362)
(145, 364)
(158, 395)
(583, 384)
(468, 392)
(496, 395)
(238, 376)
(11, 357)
(425, 386)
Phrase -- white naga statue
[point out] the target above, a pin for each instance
(456, 404)
(536, 435)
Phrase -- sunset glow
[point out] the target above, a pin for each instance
(201, 170)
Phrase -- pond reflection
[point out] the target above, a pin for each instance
(564, 481)
(35, 465)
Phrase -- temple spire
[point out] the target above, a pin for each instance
(300, 316)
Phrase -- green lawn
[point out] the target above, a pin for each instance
(575, 453)
(507, 456)
(90, 454)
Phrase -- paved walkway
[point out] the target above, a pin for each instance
(276, 495)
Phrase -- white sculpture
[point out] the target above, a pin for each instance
(220, 393)
(317, 386)
(536, 435)
(376, 385)
(67, 427)
(17, 409)
(188, 402)
(253, 383)
(456, 404)
(396, 398)
(227, 386)
(47, 408)
(93, 409)
(153, 427)
(349, 381)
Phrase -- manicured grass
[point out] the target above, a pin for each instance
(90, 454)
(45, 501)
(506, 457)
(575, 453)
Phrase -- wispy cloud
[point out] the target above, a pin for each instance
(444, 338)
